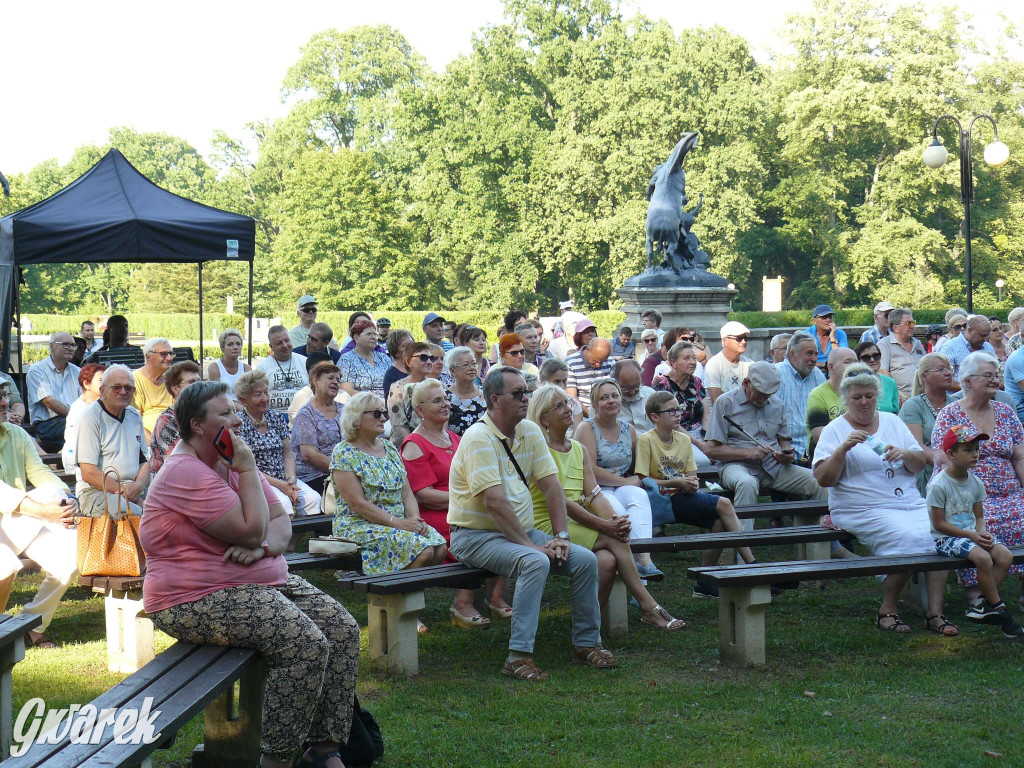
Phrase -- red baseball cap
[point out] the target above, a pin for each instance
(961, 433)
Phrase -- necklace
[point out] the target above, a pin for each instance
(255, 423)
(440, 439)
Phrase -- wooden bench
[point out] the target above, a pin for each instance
(177, 684)
(129, 630)
(129, 356)
(744, 592)
(13, 630)
(394, 602)
(312, 523)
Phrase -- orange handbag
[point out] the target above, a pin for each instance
(109, 545)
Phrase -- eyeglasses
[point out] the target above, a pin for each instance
(910, 323)
(423, 357)
(871, 358)
(986, 376)
(941, 369)
(519, 394)
(129, 388)
(164, 354)
(741, 337)
(516, 352)
(959, 327)
(464, 366)
(437, 402)
(65, 344)
(561, 407)
(650, 341)
(308, 310)
(670, 411)
(378, 414)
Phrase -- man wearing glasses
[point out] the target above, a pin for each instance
(110, 434)
(973, 339)
(825, 333)
(319, 340)
(880, 329)
(52, 386)
(490, 511)
(749, 434)
(901, 352)
(151, 396)
(307, 310)
(726, 370)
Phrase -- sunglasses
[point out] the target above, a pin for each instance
(164, 354)
(378, 414)
(871, 358)
(308, 310)
(120, 388)
(959, 327)
(826, 317)
(519, 394)
(910, 324)
(516, 352)
(684, 338)
(741, 337)
(423, 357)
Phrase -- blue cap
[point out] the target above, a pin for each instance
(822, 309)
(431, 318)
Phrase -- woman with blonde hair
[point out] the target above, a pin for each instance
(933, 385)
(592, 521)
(230, 366)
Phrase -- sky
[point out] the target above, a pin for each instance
(73, 70)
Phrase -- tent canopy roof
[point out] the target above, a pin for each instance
(114, 213)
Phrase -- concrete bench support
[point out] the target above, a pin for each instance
(614, 617)
(815, 550)
(230, 740)
(129, 631)
(741, 624)
(393, 636)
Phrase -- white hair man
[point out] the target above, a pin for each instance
(151, 396)
(52, 386)
(1016, 320)
(799, 375)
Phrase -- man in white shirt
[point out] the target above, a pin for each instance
(727, 370)
(307, 310)
(285, 369)
(634, 394)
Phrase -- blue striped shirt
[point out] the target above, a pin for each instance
(794, 392)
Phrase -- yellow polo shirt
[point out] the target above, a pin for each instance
(150, 399)
(481, 463)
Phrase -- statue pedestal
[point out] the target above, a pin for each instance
(703, 308)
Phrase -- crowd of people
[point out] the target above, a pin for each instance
(525, 457)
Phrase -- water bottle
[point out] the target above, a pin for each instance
(68, 456)
(880, 447)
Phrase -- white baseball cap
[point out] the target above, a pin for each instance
(733, 328)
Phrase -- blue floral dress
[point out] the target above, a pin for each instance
(363, 376)
(384, 549)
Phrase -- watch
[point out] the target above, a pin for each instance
(563, 535)
(266, 548)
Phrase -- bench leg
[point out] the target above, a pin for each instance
(393, 636)
(741, 624)
(129, 634)
(9, 656)
(614, 617)
(230, 741)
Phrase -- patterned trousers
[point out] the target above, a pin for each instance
(309, 642)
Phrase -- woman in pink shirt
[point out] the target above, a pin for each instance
(214, 534)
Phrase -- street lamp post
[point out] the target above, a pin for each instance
(996, 154)
(999, 284)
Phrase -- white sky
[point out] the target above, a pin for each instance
(73, 69)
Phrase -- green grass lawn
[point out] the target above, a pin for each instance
(835, 692)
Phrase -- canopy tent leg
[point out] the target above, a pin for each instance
(250, 310)
(23, 382)
(201, 334)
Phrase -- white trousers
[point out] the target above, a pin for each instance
(53, 546)
(309, 500)
(632, 502)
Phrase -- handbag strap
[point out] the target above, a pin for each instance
(120, 494)
(519, 470)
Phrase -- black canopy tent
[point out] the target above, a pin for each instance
(112, 213)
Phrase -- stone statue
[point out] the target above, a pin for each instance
(674, 255)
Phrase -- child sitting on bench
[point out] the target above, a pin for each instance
(955, 499)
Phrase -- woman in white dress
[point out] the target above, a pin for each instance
(868, 460)
(230, 366)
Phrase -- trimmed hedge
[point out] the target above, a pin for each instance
(181, 326)
(844, 317)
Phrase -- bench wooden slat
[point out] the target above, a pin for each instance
(115, 697)
(178, 708)
(783, 509)
(417, 579)
(302, 561)
(312, 523)
(797, 534)
(767, 573)
(13, 627)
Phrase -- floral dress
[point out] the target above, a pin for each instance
(690, 399)
(465, 413)
(363, 376)
(165, 437)
(267, 448)
(384, 549)
(1004, 500)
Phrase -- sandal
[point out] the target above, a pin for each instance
(475, 621)
(318, 759)
(39, 640)
(657, 612)
(596, 657)
(943, 627)
(524, 669)
(899, 626)
(499, 612)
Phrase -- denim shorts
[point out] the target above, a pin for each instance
(695, 508)
(954, 546)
